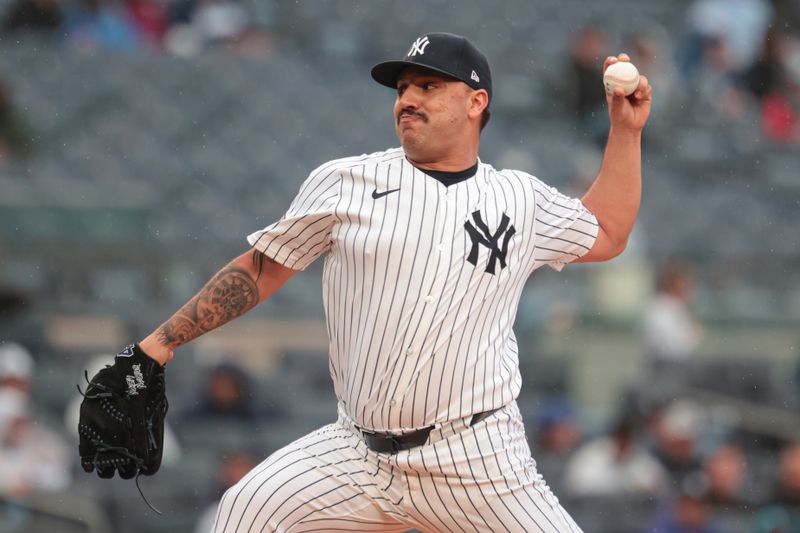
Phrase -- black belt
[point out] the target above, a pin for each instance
(388, 443)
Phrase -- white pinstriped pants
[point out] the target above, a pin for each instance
(479, 478)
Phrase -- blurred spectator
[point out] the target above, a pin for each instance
(219, 20)
(787, 485)
(39, 16)
(231, 469)
(11, 301)
(557, 428)
(556, 435)
(764, 76)
(150, 18)
(716, 84)
(33, 458)
(780, 107)
(102, 24)
(614, 464)
(781, 511)
(201, 23)
(690, 512)
(675, 431)
(584, 87)
(652, 54)
(726, 471)
(16, 137)
(587, 54)
(226, 394)
(16, 367)
(671, 332)
(724, 39)
(780, 119)
(738, 26)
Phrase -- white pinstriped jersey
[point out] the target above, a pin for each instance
(422, 281)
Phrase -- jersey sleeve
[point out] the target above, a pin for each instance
(565, 229)
(304, 232)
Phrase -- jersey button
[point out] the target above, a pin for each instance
(429, 299)
(441, 247)
(392, 402)
(410, 351)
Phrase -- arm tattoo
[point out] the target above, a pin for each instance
(229, 294)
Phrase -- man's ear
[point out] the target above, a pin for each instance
(479, 100)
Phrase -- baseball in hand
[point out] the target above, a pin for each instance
(621, 74)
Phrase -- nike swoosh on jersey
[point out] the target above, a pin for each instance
(376, 194)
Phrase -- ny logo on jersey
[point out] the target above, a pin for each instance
(481, 235)
(418, 46)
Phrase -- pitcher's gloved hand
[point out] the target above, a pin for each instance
(122, 415)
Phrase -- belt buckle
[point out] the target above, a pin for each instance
(391, 440)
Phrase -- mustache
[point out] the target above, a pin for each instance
(409, 111)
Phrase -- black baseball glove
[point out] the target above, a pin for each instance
(122, 415)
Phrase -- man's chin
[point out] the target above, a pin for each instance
(408, 138)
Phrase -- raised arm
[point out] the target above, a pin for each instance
(615, 195)
(238, 287)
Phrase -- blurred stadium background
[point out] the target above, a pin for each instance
(141, 140)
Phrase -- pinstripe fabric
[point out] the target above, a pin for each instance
(321, 482)
(421, 285)
(479, 478)
(421, 281)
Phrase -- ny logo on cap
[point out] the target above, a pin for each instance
(418, 46)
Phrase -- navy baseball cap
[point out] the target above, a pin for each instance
(446, 53)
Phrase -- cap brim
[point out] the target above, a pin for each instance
(386, 73)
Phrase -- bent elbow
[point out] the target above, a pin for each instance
(618, 248)
(606, 247)
(610, 250)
